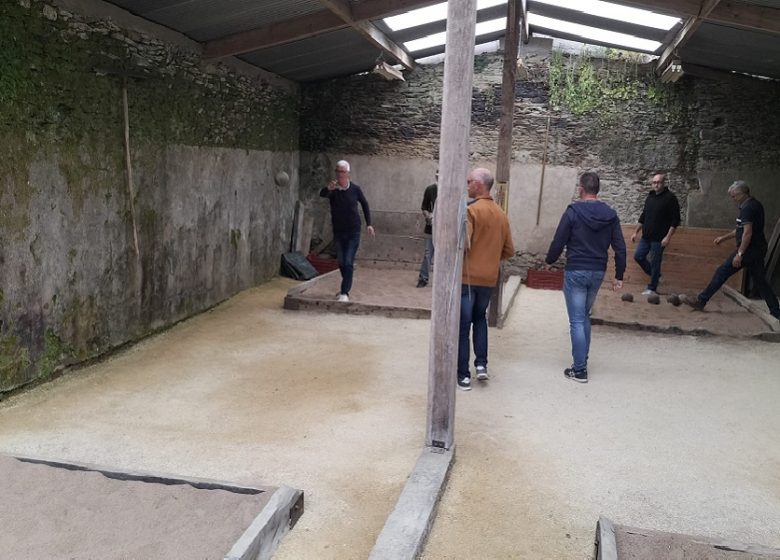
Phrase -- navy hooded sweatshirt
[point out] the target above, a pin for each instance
(587, 229)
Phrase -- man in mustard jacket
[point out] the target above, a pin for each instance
(488, 241)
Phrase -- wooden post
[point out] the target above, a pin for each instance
(448, 225)
(129, 169)
(504, 156)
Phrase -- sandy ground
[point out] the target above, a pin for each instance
(53, 512)
(673, 433)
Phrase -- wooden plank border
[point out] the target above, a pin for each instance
(606, 546)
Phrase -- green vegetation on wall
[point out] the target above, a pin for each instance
(62, 79)
(609, 89)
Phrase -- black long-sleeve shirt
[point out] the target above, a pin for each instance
(661, 212)
(343, 208)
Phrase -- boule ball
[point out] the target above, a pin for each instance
(627, 297)
(655, 299)
(282, 179)
(674, 299)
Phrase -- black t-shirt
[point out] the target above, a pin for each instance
(429, 201)
(752, 212)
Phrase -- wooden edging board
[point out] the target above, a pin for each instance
(606, 545)
(262, 537)
(406, 529)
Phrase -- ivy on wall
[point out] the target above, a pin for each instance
(610, 87)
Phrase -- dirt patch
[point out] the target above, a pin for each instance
(642, 544)
(53, 512)
(722, 316)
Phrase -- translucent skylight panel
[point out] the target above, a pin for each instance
(439, 39)
(619, 13)
(437, 12)
(593, 33)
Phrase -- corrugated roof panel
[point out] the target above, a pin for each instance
(332, 54)
(204, 20)
(740, 50)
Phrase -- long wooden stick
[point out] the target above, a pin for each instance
(544, 164)
(129, 167)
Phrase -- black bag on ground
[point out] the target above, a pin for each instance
(295, 265)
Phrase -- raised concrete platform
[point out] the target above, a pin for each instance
(619, 542)
(59, 509)
(377, 289)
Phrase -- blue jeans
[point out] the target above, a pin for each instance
(580, 288)
(754, 264)
(427, 261)
(473, 305)
(652, 267)
(346, 248)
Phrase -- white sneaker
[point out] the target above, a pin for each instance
(482, 373)
(649, 292)
(343, 298)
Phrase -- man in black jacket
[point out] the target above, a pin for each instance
(344, 197)
(587, 229)
(428, 203)
(749, 254)
(658, 222)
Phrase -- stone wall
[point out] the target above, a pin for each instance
(610, 115)
(206, 145)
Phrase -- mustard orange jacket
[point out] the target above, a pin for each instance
(489, 241)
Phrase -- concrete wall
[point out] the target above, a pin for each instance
(206, 145)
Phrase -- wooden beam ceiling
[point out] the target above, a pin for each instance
(295, 29)
(732, 13)
(369, 31)
(685, 34)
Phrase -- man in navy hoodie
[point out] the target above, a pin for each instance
(587, 229)
(344, 197)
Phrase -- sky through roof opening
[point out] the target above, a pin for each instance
(438, 12)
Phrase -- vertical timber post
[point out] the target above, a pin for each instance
(504, 152)
(448, 225)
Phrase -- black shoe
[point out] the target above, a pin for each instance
(578, 376)
(422, 283)
(464, 383)
(694, 302)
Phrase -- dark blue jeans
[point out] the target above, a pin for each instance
(346, 248)
(755, 266)
(580, 288)
(473, 305)
(652, 267)
(427, 261)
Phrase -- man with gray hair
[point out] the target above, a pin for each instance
(749, 254)
(344, 197)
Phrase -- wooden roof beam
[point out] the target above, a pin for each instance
(684, 34)
(732, 13)
(277, 33)
(303, 27)
(370, 32)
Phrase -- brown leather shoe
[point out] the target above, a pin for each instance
(694, 302)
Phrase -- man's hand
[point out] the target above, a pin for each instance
(332, 185)
(718, 240)
(616, 284)
(371, 231)
(665, 241)
(736, 262)
(633, 238)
